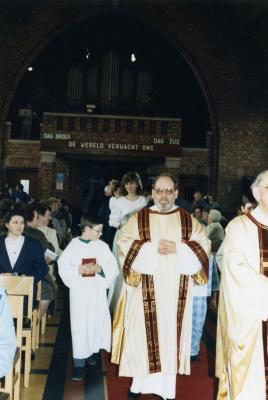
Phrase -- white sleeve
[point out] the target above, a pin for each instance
(112, 203)
(187, 261)
(108, 263)
(146, 260)
(115, 215)
(68, 267)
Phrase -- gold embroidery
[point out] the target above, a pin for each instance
(133, 278)
(150, 316)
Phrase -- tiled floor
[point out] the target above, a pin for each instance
(41, 364)
(52, 368)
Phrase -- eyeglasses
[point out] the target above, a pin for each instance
(98, 232)
(164, 191)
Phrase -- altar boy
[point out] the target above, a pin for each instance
(88, 267)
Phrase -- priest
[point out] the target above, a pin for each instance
(242, 332)
(161, 250)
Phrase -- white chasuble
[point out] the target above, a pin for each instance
(243, 306)
(164, 272)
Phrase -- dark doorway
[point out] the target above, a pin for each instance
(16, 175)
(94, 175)
(189, 185)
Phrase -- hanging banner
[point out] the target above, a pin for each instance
(106, 135)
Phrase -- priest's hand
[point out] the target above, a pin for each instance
(166, 247)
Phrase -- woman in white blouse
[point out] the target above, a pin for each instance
(19, 254)
(131, 201)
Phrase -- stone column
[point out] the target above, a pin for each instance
(46, 174)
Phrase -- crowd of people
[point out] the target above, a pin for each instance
(151, 261)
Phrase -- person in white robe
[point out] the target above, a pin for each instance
(89, 310)
(159, 249)
(241, 353)
(130, 201)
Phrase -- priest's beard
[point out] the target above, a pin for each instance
(164, 205)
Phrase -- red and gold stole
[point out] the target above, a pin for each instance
(148, 291)
(263, 246)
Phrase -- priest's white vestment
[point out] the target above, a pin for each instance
(243, 306)
(156, 332)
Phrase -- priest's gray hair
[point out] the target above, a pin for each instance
(258, 179)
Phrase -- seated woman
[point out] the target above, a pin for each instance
(49, 286)
(20, 255)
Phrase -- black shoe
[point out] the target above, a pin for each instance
(78, 374)
(195, 359)
(131, 395)
(92, 360)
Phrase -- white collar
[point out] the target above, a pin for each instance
(155, 208)
(15, 239)
(259, 215)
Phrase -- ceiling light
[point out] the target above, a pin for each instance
(30, 69)
(87, 54)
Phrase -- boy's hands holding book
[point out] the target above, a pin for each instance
(89, 267)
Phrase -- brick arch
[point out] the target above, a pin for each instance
(67, 19)
(182, 48)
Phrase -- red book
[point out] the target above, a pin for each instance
(89, 261)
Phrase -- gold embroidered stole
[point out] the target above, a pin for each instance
(148, 291)
(263, 246)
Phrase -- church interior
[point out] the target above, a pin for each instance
(93, 89)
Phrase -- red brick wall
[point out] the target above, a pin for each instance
(228, 64)
(20, 153)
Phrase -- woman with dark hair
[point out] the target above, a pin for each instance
(246, 206)
(20, 255)
(131, 201)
